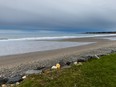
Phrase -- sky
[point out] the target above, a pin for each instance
(63, 15)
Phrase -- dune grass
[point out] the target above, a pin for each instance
(94, 73)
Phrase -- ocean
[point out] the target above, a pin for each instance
(25, 42)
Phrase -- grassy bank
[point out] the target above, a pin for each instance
(94, 73)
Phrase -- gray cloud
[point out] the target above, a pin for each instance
(58, 13)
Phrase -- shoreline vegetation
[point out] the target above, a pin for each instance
(93, 73)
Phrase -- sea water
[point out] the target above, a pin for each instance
(25, 42)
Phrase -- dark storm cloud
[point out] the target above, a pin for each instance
(55, 14)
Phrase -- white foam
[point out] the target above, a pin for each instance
(57, 37)
(110, 38)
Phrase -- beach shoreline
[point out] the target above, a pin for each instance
(18, 64)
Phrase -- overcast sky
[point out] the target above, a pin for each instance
(58, 14)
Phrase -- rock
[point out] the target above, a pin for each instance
(102, 55)
(68, 63)
(53, 67)
(66, 67)
(3, 85)
(15, 79)
(24, 77)
(62, 63)
(97, 57)
(89, 57)
(12, 85)
(17, 83)
(58, 66)
(3, 80)
(28, 72)
(79, 64)
(82, 60)
(39, 68)
(113, 51)
(75, 63)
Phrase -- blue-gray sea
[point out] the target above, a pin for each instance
(25, 42)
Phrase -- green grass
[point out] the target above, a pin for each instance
(94, 73)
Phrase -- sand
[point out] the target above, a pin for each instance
(27, 60)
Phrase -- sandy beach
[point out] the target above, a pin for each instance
(19, 63)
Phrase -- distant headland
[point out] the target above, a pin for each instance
(114, 32)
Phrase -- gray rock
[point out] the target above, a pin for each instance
(96, 56)
(102, 55)
(82, 60)
(88, 57)
(13, 80)
(39, 68)
(68, 63)
(113, 51)
(3, 80)
(62, 63)
(28, 72)
(66, 67)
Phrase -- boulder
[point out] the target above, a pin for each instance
(4, 85)
(113, 51)
(79, 64)
(97, 57)
(68, 63)
(3, 80)
(28, 72)
(13, 80)
(102, 55)
(17, 83)
(53, 67)
(24, 77)
(58, 66)
(66, 67)
(88, 57)
(62, 63)
(75, 63)
(82, 60)
(39, 68)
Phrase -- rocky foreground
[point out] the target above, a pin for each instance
(18, 73)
